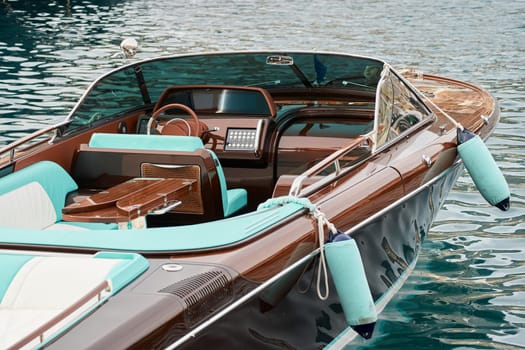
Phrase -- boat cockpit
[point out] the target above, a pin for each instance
(239, 139)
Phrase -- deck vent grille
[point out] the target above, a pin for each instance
(198, 288)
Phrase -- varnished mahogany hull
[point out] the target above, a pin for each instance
(389, 243)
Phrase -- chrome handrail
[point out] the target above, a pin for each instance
(10, 148)
(95, 292)
(332, 159)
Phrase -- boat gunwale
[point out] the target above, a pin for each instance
(242, 242)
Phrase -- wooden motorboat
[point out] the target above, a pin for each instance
(236, 200)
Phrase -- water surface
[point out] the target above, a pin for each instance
(468, 289)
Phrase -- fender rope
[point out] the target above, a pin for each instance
(321, 219)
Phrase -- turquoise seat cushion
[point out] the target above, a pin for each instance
(146, 142)
(131, 265)
(56, 183)
(11, 264)
(234, 199)
(94, 225)
(237, 198)
(209, 235)
(41, 289)
(52, 177)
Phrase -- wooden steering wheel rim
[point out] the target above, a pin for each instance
(185, 108)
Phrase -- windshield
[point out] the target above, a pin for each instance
(397, 108)
(141, 84)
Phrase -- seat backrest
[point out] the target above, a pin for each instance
(222, 182)
(39, 190)
(161, 143)
(146, 142)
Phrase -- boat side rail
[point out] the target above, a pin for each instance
(96, 292)
(27, 143)
(332, 159)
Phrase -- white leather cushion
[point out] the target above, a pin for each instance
(28, 206)
(15, 324)
(55, 282)
(43, 288)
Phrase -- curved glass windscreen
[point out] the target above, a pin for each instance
(397, 108)
(141, 84)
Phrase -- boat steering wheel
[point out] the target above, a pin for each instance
(178, 126)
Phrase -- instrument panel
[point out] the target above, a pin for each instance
(232, 138)
(244, 139)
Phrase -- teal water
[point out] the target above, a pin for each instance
(468, 288)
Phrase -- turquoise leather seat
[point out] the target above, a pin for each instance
(232, 199)
(146, 142)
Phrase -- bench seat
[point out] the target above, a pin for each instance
(232, 200)
(42, 294)
(33, 198)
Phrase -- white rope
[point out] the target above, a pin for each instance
(321, 219)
